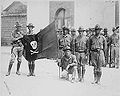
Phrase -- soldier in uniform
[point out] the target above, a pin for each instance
(69, 64)
(74, 36)
(59, 34)
(17, 48)
(114, 44)
(81, 50)
(107, 40)
(31, 63)
(64, 42)
(97, 47)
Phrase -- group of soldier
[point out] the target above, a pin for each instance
(75, 51)
(17, 49)
(95, 48)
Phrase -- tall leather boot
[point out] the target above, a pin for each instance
(83, 73)
(30, 69)
(99, 77)
(9, 68)
(18, 67)
(33, 68)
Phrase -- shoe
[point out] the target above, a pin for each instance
(29, 74)
(8, 74)
(18, 73)
(32, 74)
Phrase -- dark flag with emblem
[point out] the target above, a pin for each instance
(41, 45)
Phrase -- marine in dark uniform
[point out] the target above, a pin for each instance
(97, 47)
(80, 51)
(17, 48)
(108, 45)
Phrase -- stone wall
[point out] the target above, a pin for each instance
(69, 10)
(7, 26)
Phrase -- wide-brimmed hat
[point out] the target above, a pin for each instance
(65, 28)
(105, 29)
(58, 30)
(97, 27)
(73, 30)
(18, 24)
(67, 48)
(30, 25)
(81, 29)
(87, 30)
(113, 29)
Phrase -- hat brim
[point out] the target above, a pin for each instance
(31, 26)
(81, 30)
(98, 29)
(18, 26)
(67, 49)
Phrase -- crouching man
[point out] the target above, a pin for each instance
(68, 65)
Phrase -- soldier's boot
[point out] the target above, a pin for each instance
(9, 68)
(98, 77)
(95, 78)
(18, 67)
(79, 75)
(29, 66)
(117, 63)
(83, 73)
(33, 68)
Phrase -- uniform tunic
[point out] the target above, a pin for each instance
(17, 47)
(114, 43)
(98, 46)
(63, 43)
(65, 61)
(80, 48)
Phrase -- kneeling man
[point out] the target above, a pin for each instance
(69, 64)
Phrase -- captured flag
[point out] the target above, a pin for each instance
(41, 45)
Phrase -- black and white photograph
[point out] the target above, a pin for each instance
(59, 48)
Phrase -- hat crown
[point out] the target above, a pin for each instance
(113, 29)
(97, 26)
(73, 30)
(30, 25)
(17, 24)
(67, 48)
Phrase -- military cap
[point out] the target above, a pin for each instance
(59, 30)
(18, 24)
(67, 48)
(117, 27)
(113, 29)
(73, 30)
(65, 28)
(30, 25)
(87, 30)
(97, 27)
(81, 29)
(105, 30)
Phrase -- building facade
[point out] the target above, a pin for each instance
(63, 12)
(17, 11)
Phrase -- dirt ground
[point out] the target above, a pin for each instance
(47, 82)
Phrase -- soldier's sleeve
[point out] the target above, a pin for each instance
(89, 43)
(12, 36)
(104, 44)
(74, 59)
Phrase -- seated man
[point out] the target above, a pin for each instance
(68, 64)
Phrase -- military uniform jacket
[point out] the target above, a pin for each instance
(81, 43)
(65, 61)
(98, 42)
(114, 39)
(65, 41)
(16, 35)
(72, 44)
